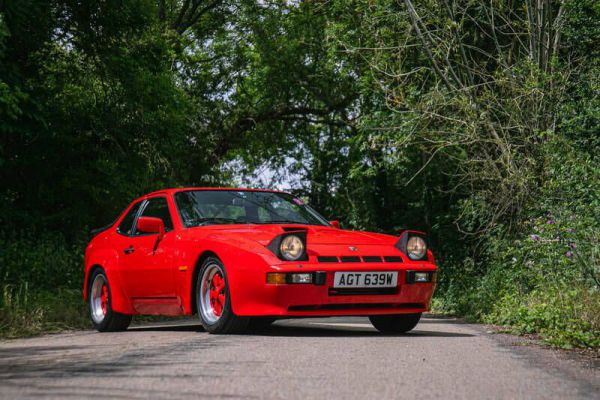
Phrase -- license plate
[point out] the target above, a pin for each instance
(374, 279)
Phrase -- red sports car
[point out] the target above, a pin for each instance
(242, 258)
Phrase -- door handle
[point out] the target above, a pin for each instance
(129, 250)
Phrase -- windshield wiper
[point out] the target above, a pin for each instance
(216, 220)
(283, 221)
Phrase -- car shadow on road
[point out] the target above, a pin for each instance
(306, 331)
(167, 328)
(321, 331)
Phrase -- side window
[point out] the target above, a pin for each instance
(157, 207)
(124, 227)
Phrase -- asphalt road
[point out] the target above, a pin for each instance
(295, 359)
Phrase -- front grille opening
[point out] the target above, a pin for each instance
(350, 259)
(363, 291)
(392, 259)
(327, 259)
(356, 306)
(357, 259)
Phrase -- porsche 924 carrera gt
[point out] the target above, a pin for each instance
(242, 258)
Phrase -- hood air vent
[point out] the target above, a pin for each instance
(357, 259)
(327, 259)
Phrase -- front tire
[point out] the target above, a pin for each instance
(214, 300)
(103, 317)
(400, 323)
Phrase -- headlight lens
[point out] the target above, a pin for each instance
(291, 247)
(416, 248)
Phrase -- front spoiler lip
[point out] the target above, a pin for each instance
(352, 312)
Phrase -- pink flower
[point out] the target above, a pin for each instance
(569, 254)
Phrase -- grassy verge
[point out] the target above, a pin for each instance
(25, 313)
(567, 317)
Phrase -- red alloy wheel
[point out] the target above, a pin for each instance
(104, 299)
(99, 298)
(104, 318)
(217, 293)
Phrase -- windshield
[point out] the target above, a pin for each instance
(209, 207)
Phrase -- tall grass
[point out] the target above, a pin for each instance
(40, 279)
(25, 313)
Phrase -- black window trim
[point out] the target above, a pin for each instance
(145, 203)
(135, 218)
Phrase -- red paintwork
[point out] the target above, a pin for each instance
(159, 276)
(151, 225)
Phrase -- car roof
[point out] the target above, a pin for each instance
(184, 189)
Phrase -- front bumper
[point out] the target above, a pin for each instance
(312, 300)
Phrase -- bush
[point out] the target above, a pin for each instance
(42, 262)
(566, 317)
(542, 275)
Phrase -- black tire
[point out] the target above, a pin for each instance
(111, 321)
(260, 323)
(400, 323)
(227, 322)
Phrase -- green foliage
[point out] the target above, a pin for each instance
(484, 139)
(545, 278)
(565, 316)
(41, 262)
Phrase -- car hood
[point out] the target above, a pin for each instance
(316, 235)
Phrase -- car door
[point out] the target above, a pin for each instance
(147, 265)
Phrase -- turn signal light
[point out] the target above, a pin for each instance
(280, 278)
(276, 278)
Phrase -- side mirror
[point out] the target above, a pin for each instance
(335, 224)
(151, 225)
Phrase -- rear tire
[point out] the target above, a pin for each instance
(400, 323)
(213, 300)
(102, 315)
